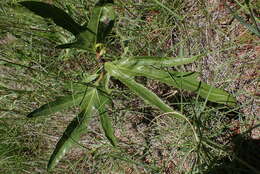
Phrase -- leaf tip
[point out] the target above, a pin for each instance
(30, 115)
(49, 166)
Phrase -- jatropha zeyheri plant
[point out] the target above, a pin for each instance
(94, 96)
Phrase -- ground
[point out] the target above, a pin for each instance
(33, 72)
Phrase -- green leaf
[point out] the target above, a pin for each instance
(59, 104)
(58, 15)
(104, 118)
(144, 93)
(80, 43)
(89, 37)
(105, 83)
(106, 22)
(202, 89)
(75, 87)
(102, 2)
(87, 78)
(188, 83)
(139, 89)
(74, 130)
(69, 45)
(100, 24)
(157, 61)
(194, 75)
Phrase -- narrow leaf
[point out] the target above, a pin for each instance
(194, 75)
(74, 130)
(59, 104)
(204, 90)
(105, 120)
(70, 137)
(106, 23)
(100, 25)
(59, 16)
(79, 43)
(89, 37)
(105, 83)
(144, 93)
(69, 45)
(157, 61)
(74, 87)
(183, 82)
(139, 89)
(102, 2)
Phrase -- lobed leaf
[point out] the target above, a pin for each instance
(74, 130)
(59, 16)
(59, 104)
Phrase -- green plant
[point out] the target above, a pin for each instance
(93, 93)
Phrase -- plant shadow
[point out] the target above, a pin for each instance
(244, 159)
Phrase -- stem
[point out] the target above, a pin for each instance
(99, 78)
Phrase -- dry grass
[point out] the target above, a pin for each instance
(32, 73)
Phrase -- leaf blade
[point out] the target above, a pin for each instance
(102, 2)
(106, 23)
(99, 26)
(59, 16)
(71, 135)
(140, 90)
(105, 120)
(90, 37)
(59, 104)
(188, 83)
(74, 130)
(157, 61)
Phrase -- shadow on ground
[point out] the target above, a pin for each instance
(244, 160)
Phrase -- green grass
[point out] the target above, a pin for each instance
(32, 72)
